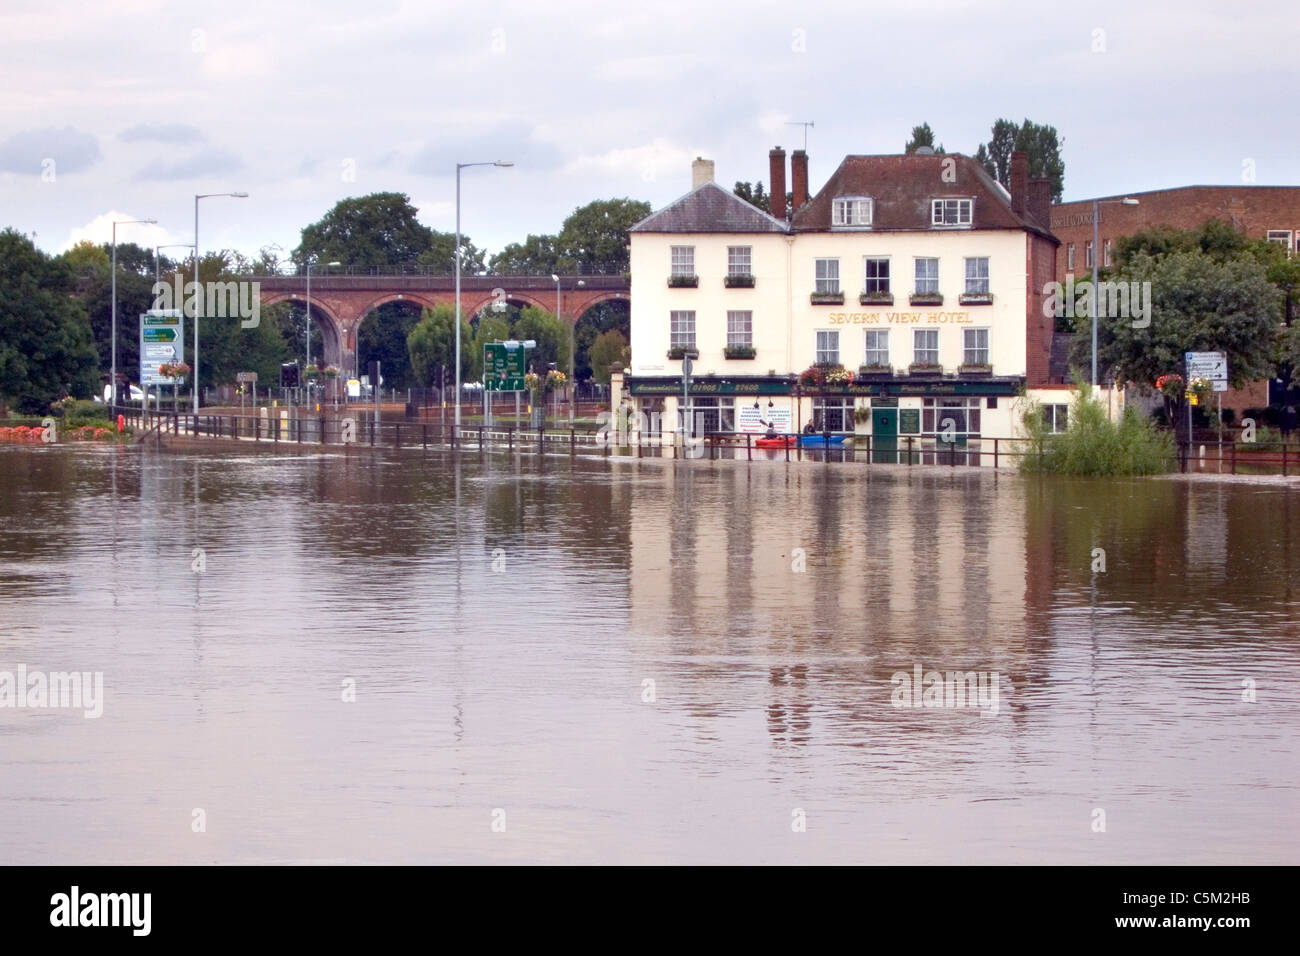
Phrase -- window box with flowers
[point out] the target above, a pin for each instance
(876, 298)
(975, 298)
(680, 352)
(826, 377)
(975, 369)
(875, 371)
(683, 282)
(924, 368)
(740, 352)
(738, 281)
(826, 298)
(925, 298)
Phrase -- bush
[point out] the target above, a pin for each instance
(1094, 445)
(80, 409)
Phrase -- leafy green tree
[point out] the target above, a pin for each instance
(922, 136)
(380, 229)
(602, 317)
(551, 335)
(1039, 141)
(594, 237)
(1199, 304)
(46, 345)
(431, 346)
(440, 257)
(536, 255)
(381, 337)
(609, 347)
(756, 195)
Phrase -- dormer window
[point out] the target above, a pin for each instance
(851, 211)
(951, 212)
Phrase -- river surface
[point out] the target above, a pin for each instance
(411, 658)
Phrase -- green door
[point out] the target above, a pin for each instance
(884, 436)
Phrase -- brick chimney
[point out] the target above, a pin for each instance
(701, 172)
(1019, 182)
(799, 177)
(776, 162)
(1040, 200)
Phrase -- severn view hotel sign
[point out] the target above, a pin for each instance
(898, 318)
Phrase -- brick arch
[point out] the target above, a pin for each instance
(598, 297)
(332, 328)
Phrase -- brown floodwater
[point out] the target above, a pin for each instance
(406, 657)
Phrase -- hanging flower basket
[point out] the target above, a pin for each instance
(311, 372)
(1171, 386)
(331, 371)
(176, 370)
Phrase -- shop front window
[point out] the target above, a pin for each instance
(834, 415)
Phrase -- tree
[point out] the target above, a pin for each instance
(380, 229)
(551, 335)
(46, 346)
(1199, 304)
(609, 347)
(755, 195)
(1039, 142)
(921, 136)
(536, 255)
(594, 238)
(440, 257)
(431, 346)
(491, 328)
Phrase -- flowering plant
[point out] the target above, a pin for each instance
(818, 375)
(1201, 386)
(838, 375)
(330, 371)
(1171, 385)
(174, 369)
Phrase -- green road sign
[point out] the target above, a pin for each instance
(162, 338)
(159, 335)
(503, 368)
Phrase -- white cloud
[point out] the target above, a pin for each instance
(100, 230)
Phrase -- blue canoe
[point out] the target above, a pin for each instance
(820, 441)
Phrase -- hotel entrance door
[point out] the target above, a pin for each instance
(884, 436)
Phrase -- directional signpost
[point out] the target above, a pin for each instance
(1213, 367)
(162, 337)
(504, 365)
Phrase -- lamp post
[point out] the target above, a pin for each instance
(1096, 258)
(113, 360)
(198, 291)
(157, 277)
(456, 318)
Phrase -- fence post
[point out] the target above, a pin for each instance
(424, 436)
(322, 430)
(573, 443)
(749, 448)
(1284, 456)
(995, 453)
(397, 435)
(909, 451)
(1234, 455)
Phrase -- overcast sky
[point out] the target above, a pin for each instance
(139, 104)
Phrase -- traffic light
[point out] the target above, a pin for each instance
(289, 375)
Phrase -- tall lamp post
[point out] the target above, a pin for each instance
(157, 277)
(198, 291)
(113, 361)
(1096, 259)
(456, 318)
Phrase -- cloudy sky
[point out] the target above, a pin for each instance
(125, 110)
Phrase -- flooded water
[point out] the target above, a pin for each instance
(413, 658)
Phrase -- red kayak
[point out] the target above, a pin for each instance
(781, 441)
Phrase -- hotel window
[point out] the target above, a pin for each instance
(851, 211)
(977, 275)
(708, 415)
(683, 329)
(1108, 258)
(927, 275)
(828, 276)
(1069, 256)
(1282, 237)
(1056, 418)
(951, 212)
(975, 344)
(877, 276)
(683, 260)
(738, 260)
(828, 347)
(925, 346)
(956, 417)
(877, 347)
(1087, 254)
(833, 414)
(740, 330)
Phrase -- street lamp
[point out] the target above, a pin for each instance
(456, 317)
(1096, 257)
(198, 290)
(309, 264)
(113, 361)
(157, 277)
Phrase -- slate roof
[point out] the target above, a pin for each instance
(902, 187)
(710, 208)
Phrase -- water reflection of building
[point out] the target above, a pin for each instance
(900, 568)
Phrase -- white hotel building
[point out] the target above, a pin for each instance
(919, 274)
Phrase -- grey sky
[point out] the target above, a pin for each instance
(141, 104)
